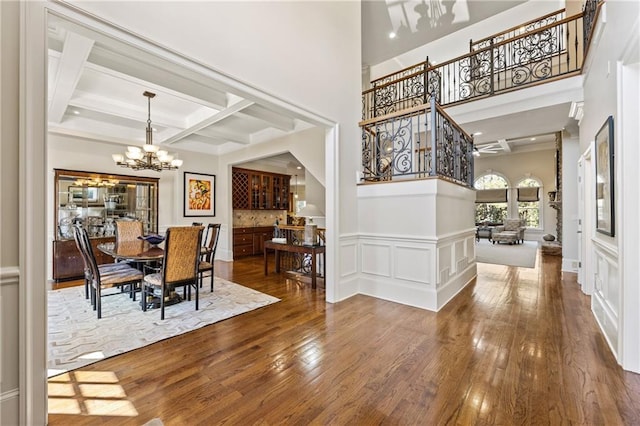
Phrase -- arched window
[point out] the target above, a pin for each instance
(529, 207)
(491, 211)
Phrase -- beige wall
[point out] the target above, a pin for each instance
(514, 167)
(9, 218)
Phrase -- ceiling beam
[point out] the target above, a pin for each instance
(505, 145)
(271, 118)
(227, 112)
(70, 66)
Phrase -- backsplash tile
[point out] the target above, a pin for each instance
(258, 217)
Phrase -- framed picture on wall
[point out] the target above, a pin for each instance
(199, 194)
(605, 202)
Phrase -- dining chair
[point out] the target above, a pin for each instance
(128, 230)
(209, 251)
(105, 269)
(179, 267)
(102, 281)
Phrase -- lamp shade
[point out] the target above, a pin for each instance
(311, 210)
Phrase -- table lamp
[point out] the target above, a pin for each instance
(310, 229)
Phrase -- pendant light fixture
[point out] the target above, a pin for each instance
(149, 157)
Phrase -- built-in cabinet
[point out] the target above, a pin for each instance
(95, 201)
(249, 241)
(257, 190)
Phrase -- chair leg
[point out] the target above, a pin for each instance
(196, 287)
(211, 279)
(98, 303)
(162, 288)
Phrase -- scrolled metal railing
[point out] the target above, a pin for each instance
(542, 50)
(527, 27)
(420, 142)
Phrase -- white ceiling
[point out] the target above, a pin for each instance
(96, 87)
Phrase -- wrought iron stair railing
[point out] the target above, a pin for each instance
(543, 50)
(416, 143)
(400, 110)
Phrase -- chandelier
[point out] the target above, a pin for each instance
(149, 157)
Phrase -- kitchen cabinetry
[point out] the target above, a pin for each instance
(249, 241)
(252, 189)
(95, 201)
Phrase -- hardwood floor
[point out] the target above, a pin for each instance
(517, 346)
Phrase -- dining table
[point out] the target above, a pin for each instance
(134, 251)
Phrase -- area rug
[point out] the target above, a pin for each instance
(522, 255)
(77, 338)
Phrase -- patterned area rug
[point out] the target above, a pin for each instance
(77, 338)
(522, 255)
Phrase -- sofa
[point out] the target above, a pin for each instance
(512, 231)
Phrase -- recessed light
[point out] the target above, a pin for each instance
(392, 35)
(477, 133)
(76, 112)
(299, 167)
(533, 139)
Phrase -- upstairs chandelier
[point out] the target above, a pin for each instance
(149, 157)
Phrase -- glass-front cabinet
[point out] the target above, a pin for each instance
(95, 201)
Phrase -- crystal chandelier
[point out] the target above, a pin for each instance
(149, 157)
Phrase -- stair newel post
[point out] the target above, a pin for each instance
(471, 160)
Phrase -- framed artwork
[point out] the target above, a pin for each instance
(605, 202)
(199, 194)
(77, 194)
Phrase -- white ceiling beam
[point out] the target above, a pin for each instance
(161, 77)
(234, 109)
(505, 145)
(271, 118)
(225, 136)
(71, 64)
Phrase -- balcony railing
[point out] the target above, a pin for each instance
(542, 50)
(420, 142)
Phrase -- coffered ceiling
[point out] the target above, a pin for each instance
(96, 87)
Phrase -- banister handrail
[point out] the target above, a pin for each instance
(426, 63)
(517, 27)
(388, 83)
(504, 42)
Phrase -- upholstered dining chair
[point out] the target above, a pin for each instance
(105, 269)
(128, 230)
(102, 281)
(179, 267)
(209, 251)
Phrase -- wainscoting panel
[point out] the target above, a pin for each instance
(348, 257)
(412, 263)
(9, 302)
(605, 301)
(376, 258)
(422, 272)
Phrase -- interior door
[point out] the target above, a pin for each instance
(580, 221)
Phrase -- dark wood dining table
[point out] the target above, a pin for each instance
(137, 250)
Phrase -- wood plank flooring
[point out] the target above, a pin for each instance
(517, 346)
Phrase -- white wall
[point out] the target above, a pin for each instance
(539, 164)
(616, 40)
(570, 156)
(416, 243)
(10, 279)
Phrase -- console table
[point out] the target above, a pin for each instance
(295, 248)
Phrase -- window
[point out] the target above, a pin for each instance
(529, 202)
(492, 212)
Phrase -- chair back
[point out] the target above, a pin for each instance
(78, 238)
(213, 234)
(128, 230)
(181, 254)
(513, 224)
(90, 257)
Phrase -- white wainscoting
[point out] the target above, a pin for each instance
(605, 301)
(9, 295)
(421, 272)
(348, 285)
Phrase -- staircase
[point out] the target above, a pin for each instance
(405, 132)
